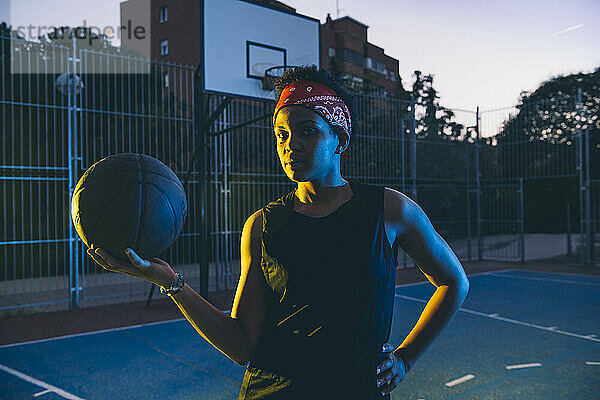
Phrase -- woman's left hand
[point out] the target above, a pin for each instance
(390, 372)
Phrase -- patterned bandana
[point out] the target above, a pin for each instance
(321, 100)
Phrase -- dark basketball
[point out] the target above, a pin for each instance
(129, 200)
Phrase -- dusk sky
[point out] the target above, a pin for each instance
(482, 53)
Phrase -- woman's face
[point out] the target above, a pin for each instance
(305, 144)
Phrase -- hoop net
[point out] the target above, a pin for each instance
(271, 74)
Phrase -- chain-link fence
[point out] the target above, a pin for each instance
(510, 184)
(77, 107)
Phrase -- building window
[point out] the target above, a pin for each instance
(164, 47)
(392, 76)
(162, 14)
(166, 79)
(351, 56)
(375, 65)
(331, 52)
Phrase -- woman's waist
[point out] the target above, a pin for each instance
(295, 354)
(324, 380)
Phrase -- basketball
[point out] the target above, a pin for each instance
(129, 200)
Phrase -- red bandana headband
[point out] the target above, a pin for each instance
(321, 100)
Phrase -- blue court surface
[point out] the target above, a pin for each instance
(519, 335)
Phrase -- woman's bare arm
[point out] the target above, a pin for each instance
(417, 237)
(236, 335)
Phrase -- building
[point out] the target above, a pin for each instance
(364, 66)
(174, 27)
(174, 37)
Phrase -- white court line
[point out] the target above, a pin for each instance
(592, 362)
(182, 319)
(512, 321)
(519, 366)
(460, 380)
(548, 272)
(490, 272)
(545, 279)
(42, 392)
(90, 333)
(475, 274)
(48, 387)
(98, 331)
(170, 320)
(412, 284)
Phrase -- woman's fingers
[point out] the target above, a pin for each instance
(389, 374)
(384, 365)
(136, 260)
(154, 270)
(110, 263)
(110, 260)
(98, 259)
(385, 378)
(391, 386)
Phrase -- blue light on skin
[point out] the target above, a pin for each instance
(303, 134)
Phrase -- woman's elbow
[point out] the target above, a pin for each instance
(460, 285)
(242, 362)
(463, 286)
(243, 359)
(239, 358)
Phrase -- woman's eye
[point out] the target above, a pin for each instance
(310, 131)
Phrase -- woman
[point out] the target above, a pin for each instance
(314, 302)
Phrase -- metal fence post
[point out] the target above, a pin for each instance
(583, 188)
(522, 222)
(200, 148)
(468, 185)
(403, 136)
(478, 180)
(413, 148)
(74, 273)
(588, 188)
(568, 228)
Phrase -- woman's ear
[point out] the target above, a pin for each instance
(343, 140)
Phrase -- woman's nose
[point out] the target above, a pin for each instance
(293, 142)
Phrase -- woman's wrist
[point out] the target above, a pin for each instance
(165, 280)
(400, 354)
(175, 286)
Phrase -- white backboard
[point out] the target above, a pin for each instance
(242, 39)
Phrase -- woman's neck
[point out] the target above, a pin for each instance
(312, 194)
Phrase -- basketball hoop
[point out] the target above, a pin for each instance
(271, 74)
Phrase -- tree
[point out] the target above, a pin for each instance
(551, 115)
(539, 141)
(433, 121)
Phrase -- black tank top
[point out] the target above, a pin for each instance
(330, 301)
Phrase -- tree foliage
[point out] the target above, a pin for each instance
(551, 113)
(554, 115)
(433, 121)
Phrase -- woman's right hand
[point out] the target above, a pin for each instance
(153, 270)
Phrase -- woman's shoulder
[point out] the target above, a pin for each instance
(370, 194)
(282, 201)
(275, 212)
(397, 206)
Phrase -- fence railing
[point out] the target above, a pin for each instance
(490, 191)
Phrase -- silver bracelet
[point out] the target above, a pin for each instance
(175, 286)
